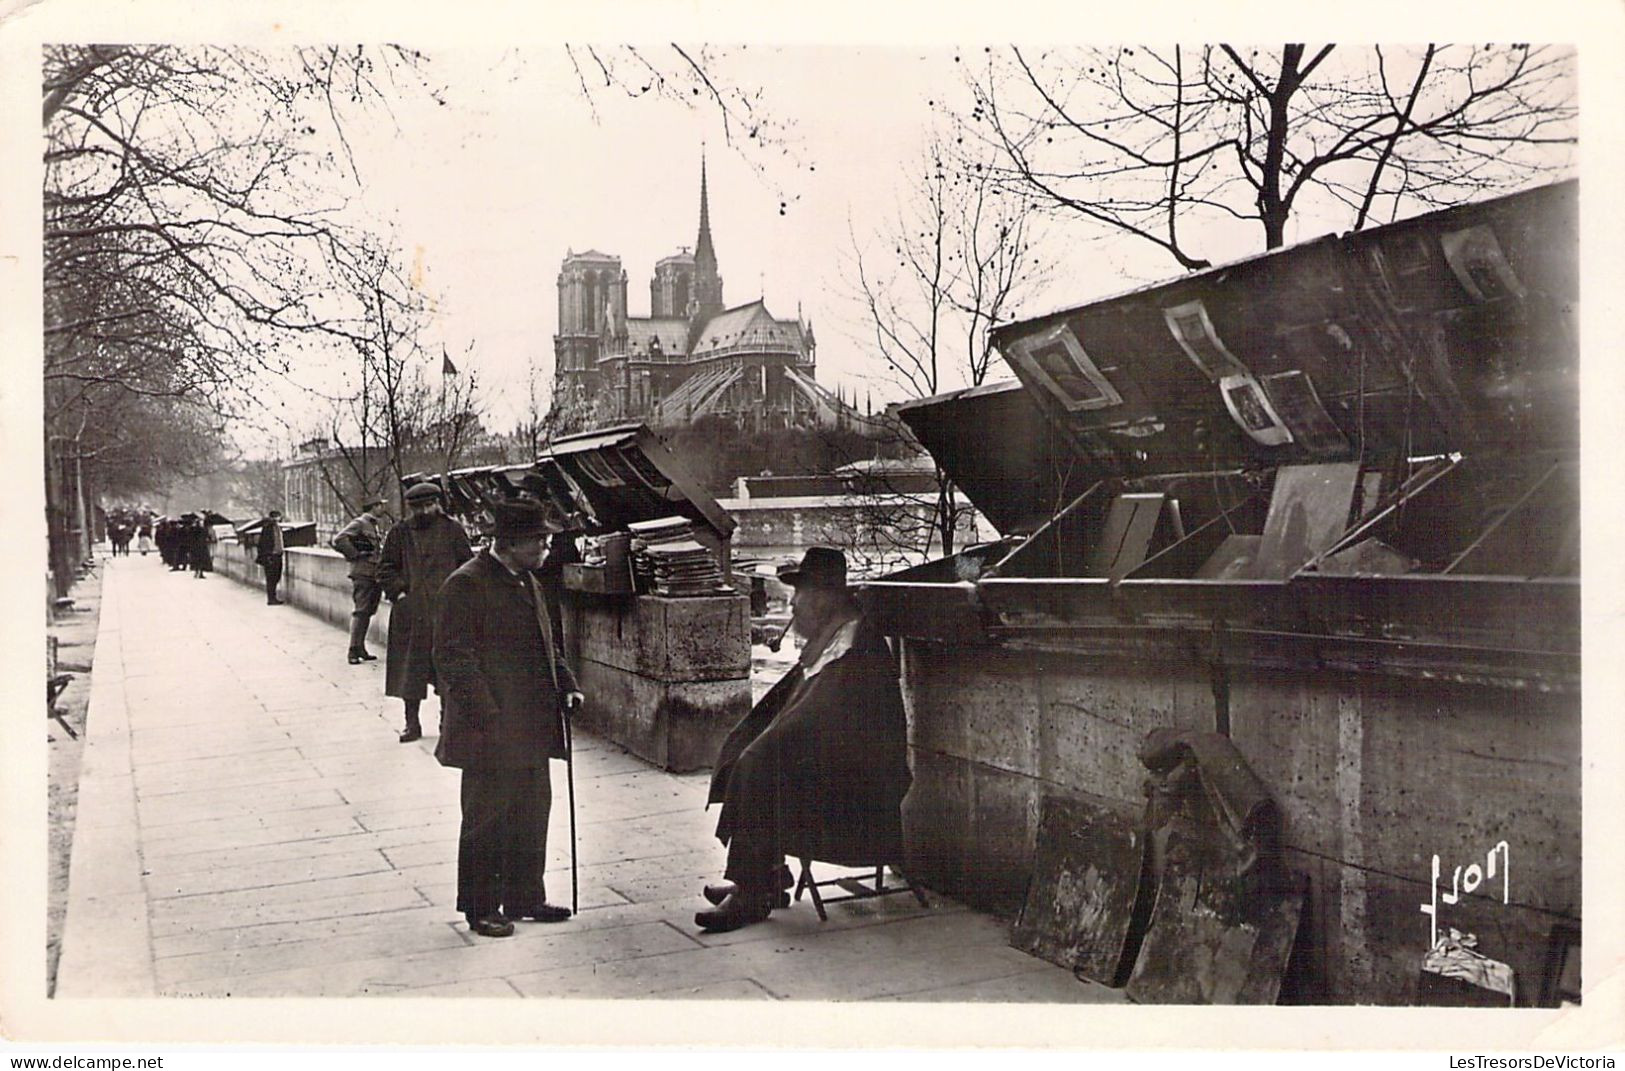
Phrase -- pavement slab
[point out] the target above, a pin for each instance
(249, 826)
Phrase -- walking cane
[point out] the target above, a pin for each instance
(545, 624)
(570, 779)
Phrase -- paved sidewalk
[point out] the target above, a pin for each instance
(248, 826)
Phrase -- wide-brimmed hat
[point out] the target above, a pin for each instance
(422, 490)
(375, 500)
(522, 517)
(821, 567)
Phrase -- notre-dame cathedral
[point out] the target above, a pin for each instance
(692, 356)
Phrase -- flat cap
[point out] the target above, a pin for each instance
(423, 490)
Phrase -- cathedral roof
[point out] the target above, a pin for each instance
(592, 254)
(641, 330)
(750, 323)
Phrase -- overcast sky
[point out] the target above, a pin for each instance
(489, 191)
(492, 190)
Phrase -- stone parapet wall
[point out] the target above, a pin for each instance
(664, 678)
(314, 579)
(1373, 775)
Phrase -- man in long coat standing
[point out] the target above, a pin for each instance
(505, 685)
(820, 765)
(418, 555)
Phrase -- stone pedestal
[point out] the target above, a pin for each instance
(664, 678)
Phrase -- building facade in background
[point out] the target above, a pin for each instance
(691, 357)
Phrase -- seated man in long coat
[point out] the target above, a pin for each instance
(418, 555)
(820, 766)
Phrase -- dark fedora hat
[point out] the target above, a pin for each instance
(521, 517)
(821, 567)
(375, 500)
(423, 490)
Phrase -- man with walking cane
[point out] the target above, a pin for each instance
(506, 693)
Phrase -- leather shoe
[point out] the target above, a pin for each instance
(722, 890)
(410, 735)
(743, 907)
(275, 602)
(355, 659)
(545, 913)
(368, 657)
(490, 926)
(782, 878)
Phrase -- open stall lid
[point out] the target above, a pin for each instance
(601, 481)
(622, 475)
(1453, 331)
(997, 446)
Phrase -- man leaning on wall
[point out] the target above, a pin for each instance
(361, 542)
(268, 553)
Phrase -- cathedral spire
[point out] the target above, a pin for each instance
(704, 254)
(705, 299)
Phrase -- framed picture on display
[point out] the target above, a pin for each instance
(1479, 265)
(1193, 330)
(1056, 359)
(1250, 408)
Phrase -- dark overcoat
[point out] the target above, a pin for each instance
(265, 543)
(415, 561)
(499, 706)
(838, 740)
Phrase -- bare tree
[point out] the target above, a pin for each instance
(694, 76)
(401, 417)
(189, 231)
(954, 262)
(1173, 146)
(448, 418)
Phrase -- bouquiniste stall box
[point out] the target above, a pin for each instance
(1325, 502)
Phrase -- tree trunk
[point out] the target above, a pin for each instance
(1271, 210)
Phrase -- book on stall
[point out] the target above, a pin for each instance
(683, 567)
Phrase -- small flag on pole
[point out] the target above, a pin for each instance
(446, 367)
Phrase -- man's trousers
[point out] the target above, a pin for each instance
(755, 791)
(365, 591)
(273, 576)
(502, 847)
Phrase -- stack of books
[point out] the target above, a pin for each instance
(685, 567)
(656, 533)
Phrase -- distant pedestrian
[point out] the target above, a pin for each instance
(144, 538)
(362, 542)
(201, 547)
(506, 687)
(169, 542)
(419, 553)
(268, 552)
